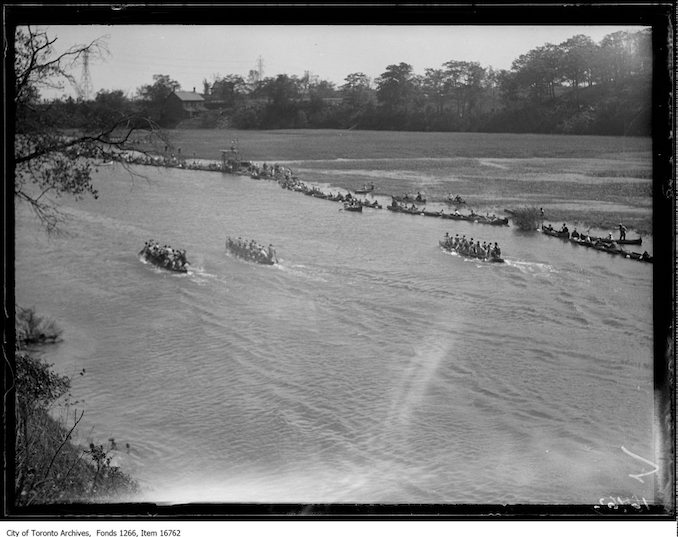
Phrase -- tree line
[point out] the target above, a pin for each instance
(578, 87)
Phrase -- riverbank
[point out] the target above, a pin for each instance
(49, 466)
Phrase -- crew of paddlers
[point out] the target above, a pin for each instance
(165, 255)
(252, 251)
(471, 248)
(455, 200)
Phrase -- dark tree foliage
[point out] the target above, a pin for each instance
(577, 87)
(49, 162)
(153, 97)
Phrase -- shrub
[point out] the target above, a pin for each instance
(31, 328)
(527, 218)
(49, 467)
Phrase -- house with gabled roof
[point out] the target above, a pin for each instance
(181, 105)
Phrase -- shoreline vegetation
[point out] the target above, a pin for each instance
(592, 182)
(50, 467)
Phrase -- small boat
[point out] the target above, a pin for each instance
(637, 241)
(478, 219)
(432, 213)
(490, 259)
(353, 207)
(555, 233)
(606, 246)
(372, 205)
(457, 200)
(409, 199)
(453, 216)
(366, 189)
(401, 209)
(490, 221)
(160, 257)
(645, 257)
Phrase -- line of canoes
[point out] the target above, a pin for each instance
(286, 179)
(608, 245)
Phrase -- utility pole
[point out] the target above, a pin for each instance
(85, 80)
(260, 69)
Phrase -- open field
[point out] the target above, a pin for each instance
(585, 180)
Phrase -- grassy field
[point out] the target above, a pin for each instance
(583, 180)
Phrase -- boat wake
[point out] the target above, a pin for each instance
(529, 267)
(301, 271)
(200, 272)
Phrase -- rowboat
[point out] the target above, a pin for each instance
(490, 259)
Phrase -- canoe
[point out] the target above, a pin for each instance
(489, 221)
(432, 213)
(162, 261)
(408, 199)
(403, 210)
(353, 208)
(453, 216)
(478, 219)
(601, 247)
(637, 241)
(555, 233)
(470, 256)
(364, 190)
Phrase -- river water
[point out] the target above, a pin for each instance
(368, 366)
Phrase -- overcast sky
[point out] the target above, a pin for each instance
(190, 54)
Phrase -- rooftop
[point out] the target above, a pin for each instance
(189, 96)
